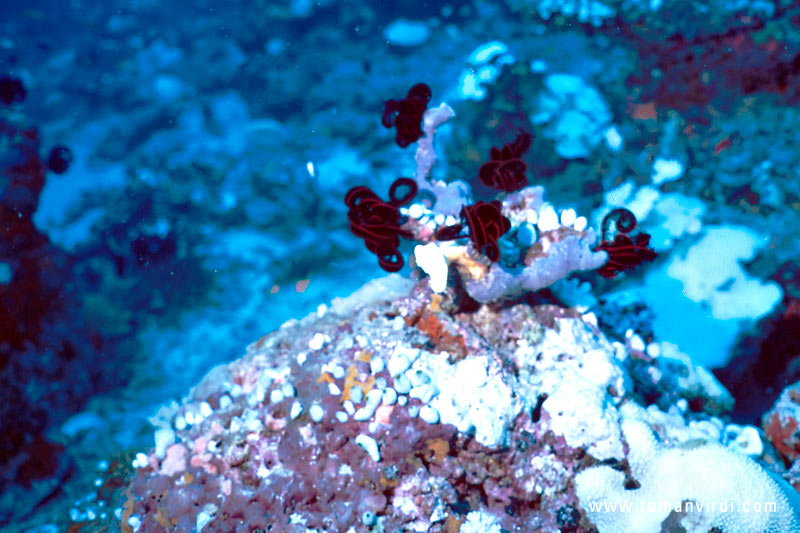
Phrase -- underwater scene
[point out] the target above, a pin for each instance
(488, 266)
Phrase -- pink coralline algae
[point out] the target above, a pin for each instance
(392, 410)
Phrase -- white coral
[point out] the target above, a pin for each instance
(480, 522)
(575, 115)
(713, 486)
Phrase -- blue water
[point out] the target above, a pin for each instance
(212, 147)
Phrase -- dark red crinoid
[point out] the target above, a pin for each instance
(486, 225)
(378, 222)
(505, 170)
(624, 252)
(406, 114)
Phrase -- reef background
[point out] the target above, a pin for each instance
(213, 146)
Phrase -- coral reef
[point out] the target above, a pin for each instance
(529, 363)
(392, 410)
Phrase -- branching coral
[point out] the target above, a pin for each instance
(563, 248)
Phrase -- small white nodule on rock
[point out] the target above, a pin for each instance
(429, 414)
(140, 461)
(295, 410)
(376, 364)
(365, 413)
(225, 401)
(317, 341)
(548, 218)
(356, 394)
(316, 413)
(276, 396)
(370, 446)
(401, 360)
(205, 409)
(568, 217)
(402, 384)
(390, 396)
(163, 438)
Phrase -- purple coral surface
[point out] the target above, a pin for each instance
(253, 463)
